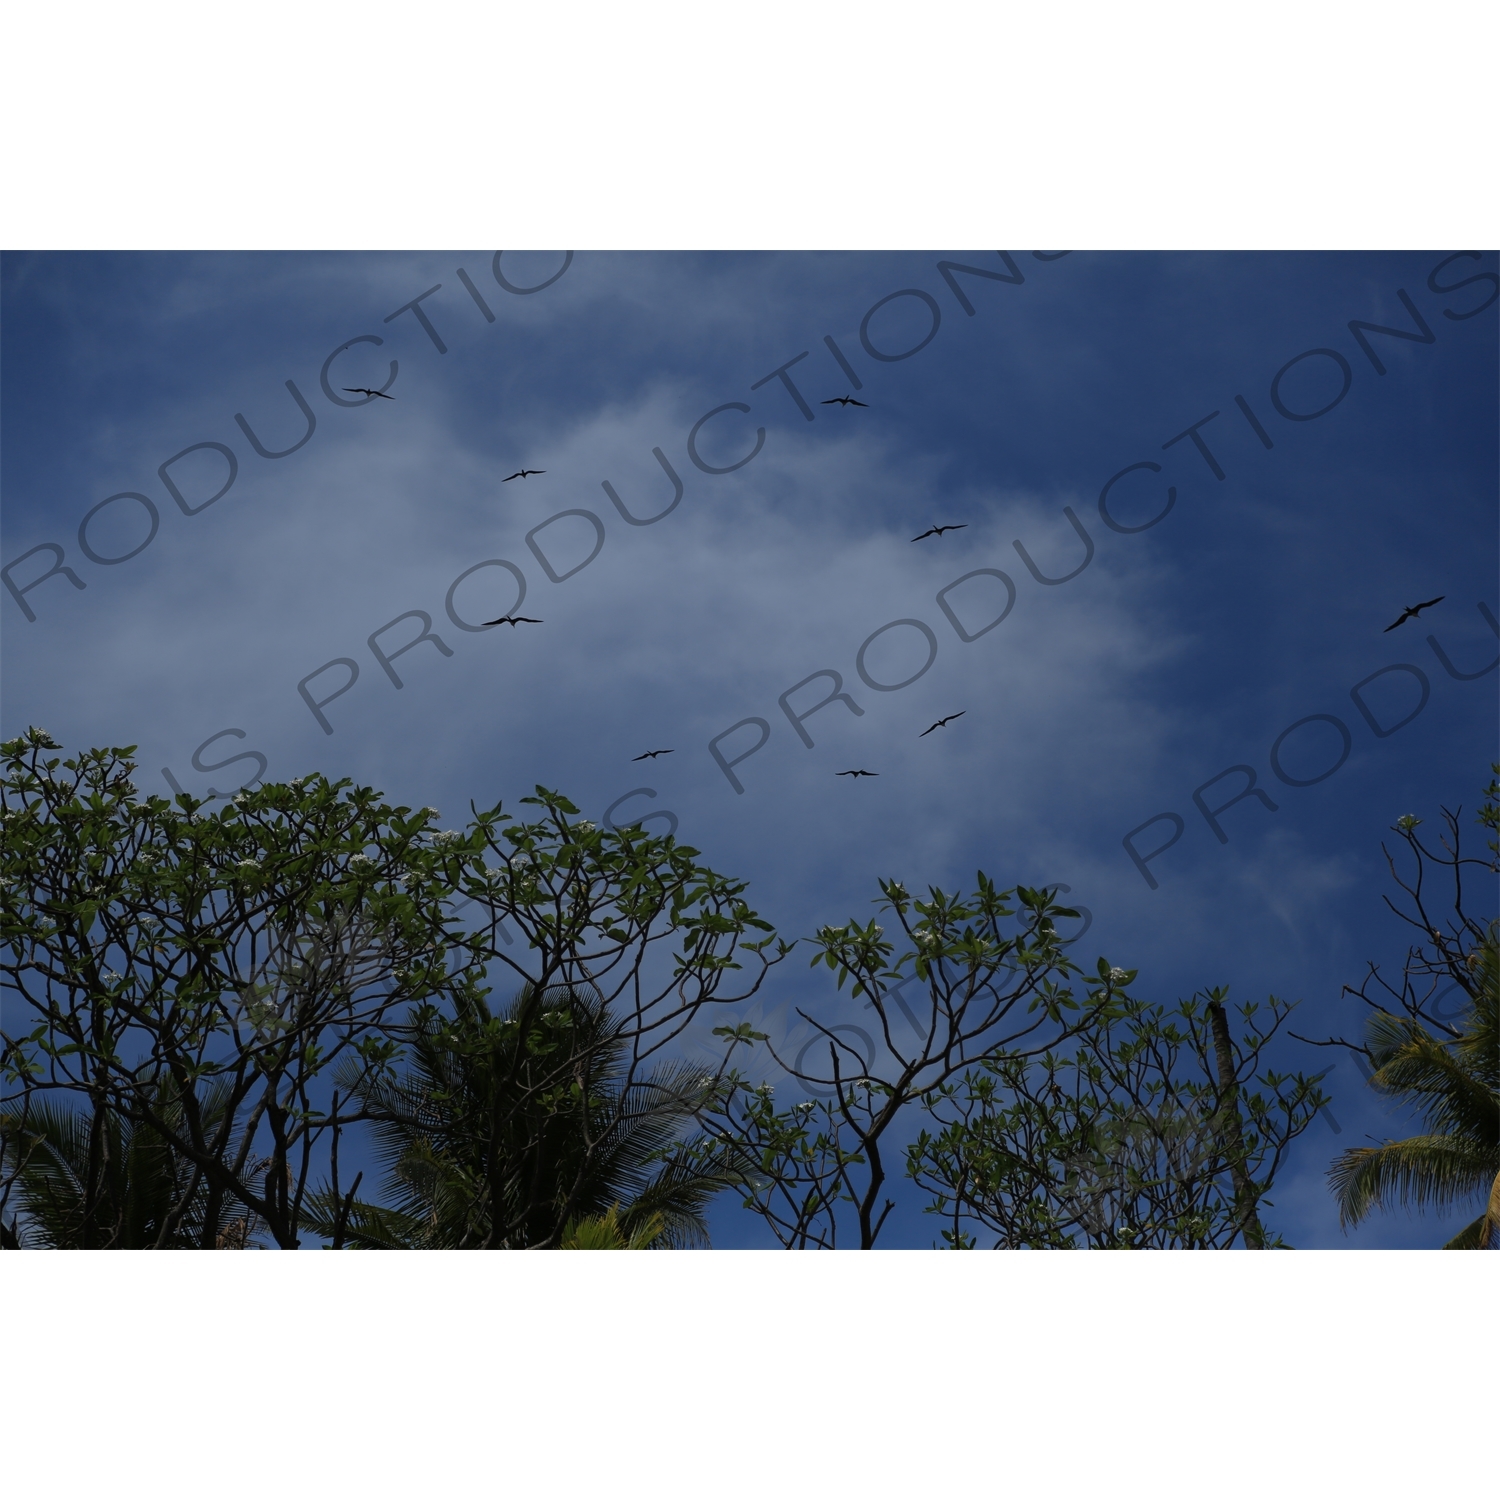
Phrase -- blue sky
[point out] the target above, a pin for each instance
(1177, 652)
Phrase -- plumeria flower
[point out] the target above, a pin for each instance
(1116, 975)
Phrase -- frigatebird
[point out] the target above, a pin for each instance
(521, 474)
(856, 773)
(939, 530)
(941, 722)
(1412, 611)
(364, 390)
(513, 620)
(845, 401)
(650, 755)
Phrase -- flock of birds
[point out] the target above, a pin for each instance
(1411, 612)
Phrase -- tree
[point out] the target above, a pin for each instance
(154, 951)
(164, 958)
(1443, 1062)
(132, 1203)
(1145, 1133)
(587, 1154)
(990, 975)
(642, 939)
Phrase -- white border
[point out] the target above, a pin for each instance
(787, 124)
(739, 1374)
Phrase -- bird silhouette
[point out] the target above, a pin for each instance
(939, 530)
(514, 620)
(650, 755)
(941, 722)
(364, 390)
(845, 401)
(856, 773)
(1412, 611)
(521, 474)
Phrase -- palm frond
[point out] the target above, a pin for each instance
(1473, 1236)
(506, 1123)
(1422, 1171)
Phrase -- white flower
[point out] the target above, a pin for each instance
(361, 860)
(249, 864)
(586, 826)
(1116, 975)
(432, 812)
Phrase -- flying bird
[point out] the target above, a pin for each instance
(514, 620)
(649, 755)
(845, 401)
(939, 530)
(521, 474)
(1412, 611)
(856, 773)
(364, 390)
(941, 722)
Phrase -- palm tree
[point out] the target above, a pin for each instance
(93, 1180)
(1455, 1083)
(531, 1127)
